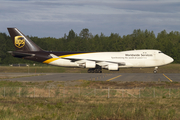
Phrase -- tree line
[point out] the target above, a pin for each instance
(169, 43)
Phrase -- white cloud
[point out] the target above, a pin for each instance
(104, 16)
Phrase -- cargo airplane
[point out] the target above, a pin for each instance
(94, 61)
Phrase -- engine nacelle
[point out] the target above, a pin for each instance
(90, 64)
(113, 67)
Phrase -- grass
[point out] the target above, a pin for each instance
(31, 69)
(7, 83)
(91, 84)
(125, 85)
(85, 103)
(83, 108)
(171, 68)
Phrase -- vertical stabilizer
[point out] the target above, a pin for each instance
(22, 42)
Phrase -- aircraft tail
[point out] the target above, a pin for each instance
(22, 42)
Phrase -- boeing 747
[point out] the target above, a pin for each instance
(94, 61)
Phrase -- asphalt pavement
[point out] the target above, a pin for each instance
(143, 77)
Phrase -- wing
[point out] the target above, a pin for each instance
(91, 63)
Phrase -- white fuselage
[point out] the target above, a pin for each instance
(133, 58)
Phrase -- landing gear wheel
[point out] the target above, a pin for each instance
(155, 71)
(98, 69)
(90, 70)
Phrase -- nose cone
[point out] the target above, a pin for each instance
(171, 59)
(168, 60)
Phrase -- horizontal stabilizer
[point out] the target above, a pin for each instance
(20, 55)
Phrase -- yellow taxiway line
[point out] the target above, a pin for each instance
(167, 78)
(113, 78)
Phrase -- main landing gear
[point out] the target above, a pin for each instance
(155, 70)
(98, 69)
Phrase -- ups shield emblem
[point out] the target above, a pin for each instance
(19, 41)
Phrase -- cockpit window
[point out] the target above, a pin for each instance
(160, 52)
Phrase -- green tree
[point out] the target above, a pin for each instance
(169, 43)
(84, 34)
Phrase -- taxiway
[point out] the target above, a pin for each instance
(143, 77)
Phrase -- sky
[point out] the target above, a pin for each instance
(54, 18)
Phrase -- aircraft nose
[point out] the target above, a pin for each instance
(169, 59)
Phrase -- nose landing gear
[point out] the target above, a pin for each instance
(155, 70)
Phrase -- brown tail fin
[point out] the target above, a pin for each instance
(22, 42)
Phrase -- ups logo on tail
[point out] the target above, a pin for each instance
(19, 41)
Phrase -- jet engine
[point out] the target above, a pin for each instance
(90, 64)
(112, 67)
